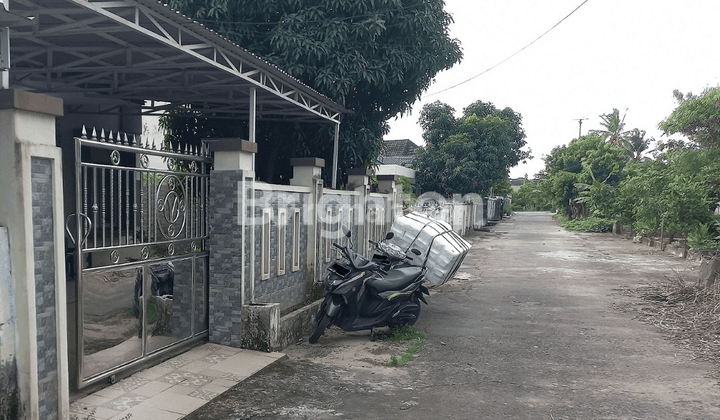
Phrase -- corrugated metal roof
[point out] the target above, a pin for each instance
(142, 50)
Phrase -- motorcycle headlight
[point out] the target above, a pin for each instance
(332, 281)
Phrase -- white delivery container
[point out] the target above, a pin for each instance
(444, 249)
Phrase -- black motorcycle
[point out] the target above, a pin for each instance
(361, 295)
(388, 255)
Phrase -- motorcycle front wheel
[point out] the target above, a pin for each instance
(320, 328)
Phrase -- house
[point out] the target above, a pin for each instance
(107, 263)
(516, 183)
(396, 159)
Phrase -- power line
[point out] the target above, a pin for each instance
(508, 58)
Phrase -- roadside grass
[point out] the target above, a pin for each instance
(403, 335)
(585, 224)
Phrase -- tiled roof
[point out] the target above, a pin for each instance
(398, 152)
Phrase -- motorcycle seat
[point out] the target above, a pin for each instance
(396, 279)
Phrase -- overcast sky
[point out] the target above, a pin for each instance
(625, 54)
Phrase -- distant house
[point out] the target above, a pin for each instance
(397, 158)
(516, 183)
(398, 152)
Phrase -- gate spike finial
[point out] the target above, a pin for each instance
(125, 139)
(83, 134)
(153, 145)
(94, 134)
(111, 137)
(102, 135)
(131, 139)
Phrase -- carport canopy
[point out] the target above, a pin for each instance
(142, 51)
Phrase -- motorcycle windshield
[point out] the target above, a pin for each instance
(358, 261)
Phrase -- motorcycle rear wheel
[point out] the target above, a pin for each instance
(320, 328)
(407, 316)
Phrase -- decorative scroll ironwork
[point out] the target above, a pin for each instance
(144, 195)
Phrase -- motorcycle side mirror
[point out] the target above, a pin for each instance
(416, 251)
(389, 235)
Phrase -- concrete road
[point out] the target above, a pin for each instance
(529, 330)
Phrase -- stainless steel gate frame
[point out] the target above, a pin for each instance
(140, 233)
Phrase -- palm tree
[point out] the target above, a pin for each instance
(636, 144)
(614, 126)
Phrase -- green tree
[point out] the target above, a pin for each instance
(613, 127)
(586, 171)
(636, 144)
(676, 193)
(470, 154)
(530, 197)
(697, 117)
(376, 57)
(502, 187)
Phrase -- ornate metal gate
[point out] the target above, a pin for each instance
(140, 233)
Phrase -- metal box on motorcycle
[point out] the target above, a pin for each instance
(444, 249)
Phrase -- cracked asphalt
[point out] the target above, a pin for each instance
(527, 330)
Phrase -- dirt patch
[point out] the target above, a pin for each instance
(350, 350)
(686, 313)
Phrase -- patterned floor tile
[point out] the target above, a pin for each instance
(195, 380)
(204, 394)
(126, 402)
(190, 379)
(176, 362)
(233, 377)
(214, 358)
(174, 377)
(80, 408)
(128, 384)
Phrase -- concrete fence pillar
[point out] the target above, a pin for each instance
(307, 172)
(31, 188)
(388, 184)
(359, 180)
(232, 246)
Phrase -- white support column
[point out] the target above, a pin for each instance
(253, 122)
(4, 49)
(4, 57)
(7, 20)
(336, 145)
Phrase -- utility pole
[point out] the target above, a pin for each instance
(580, 120)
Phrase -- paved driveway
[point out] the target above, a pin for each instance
(529, 330)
